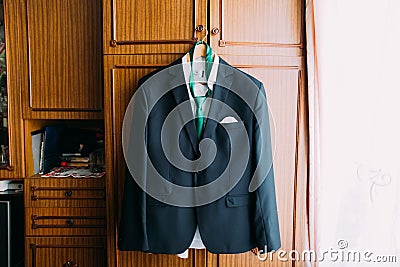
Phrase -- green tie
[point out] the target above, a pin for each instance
(199, 120)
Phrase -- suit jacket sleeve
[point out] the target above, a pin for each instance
(266, 215)
(132, 234)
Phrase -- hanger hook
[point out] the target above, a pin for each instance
(201, 28)
(205, 36)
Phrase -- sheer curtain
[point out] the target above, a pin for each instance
(353, 49)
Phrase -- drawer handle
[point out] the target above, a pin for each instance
(70, 222)
(68, 193)
(34, 197)
(70, 263)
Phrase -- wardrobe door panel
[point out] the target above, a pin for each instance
(121, 78)
(282, 81)
(256, 26)
(151, 26)
(64, 56)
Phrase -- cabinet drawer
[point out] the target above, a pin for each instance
(65, 221)
(64, 192)
(65, 252)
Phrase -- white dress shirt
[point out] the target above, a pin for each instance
(200, 89)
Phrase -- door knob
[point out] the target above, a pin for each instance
(199, 28)
(215, 31)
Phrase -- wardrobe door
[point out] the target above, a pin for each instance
(282, 85)
(121, 77)
(151, 26)
(64, 54)
(264, 39)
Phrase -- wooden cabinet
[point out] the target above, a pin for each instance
(262, 38)
(65, 221)
(54, 75)
(62, 63)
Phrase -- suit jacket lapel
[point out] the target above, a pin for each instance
(220, 92)
(180, 93)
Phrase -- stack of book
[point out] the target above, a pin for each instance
(74, 160)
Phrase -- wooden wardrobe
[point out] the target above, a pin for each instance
(261, 37)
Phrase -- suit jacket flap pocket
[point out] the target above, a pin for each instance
(237, 200)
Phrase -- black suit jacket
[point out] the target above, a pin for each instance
(237, 221)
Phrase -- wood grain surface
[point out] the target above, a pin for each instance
(57, 252)
(15, 44)
(65, 63)
(64, 192)
(153, 26)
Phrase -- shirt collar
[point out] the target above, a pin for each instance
(213, 73)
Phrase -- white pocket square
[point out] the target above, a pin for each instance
(228, 119)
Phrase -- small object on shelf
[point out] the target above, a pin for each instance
(3, 155)
(80, 159)
(37, 150)
(74, 159)
(71, 154)
(77, 164)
